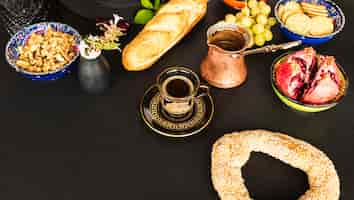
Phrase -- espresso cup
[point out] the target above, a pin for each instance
(179, 87)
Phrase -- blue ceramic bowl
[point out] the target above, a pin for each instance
(334, 11)
(21, 37)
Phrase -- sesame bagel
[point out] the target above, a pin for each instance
(231, 152)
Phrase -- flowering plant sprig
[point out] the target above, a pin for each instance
(109, 40)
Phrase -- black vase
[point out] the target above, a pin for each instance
(94, 74)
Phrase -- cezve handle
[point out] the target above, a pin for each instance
(273, 48)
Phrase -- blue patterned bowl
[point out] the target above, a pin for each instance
(21, 37)
(334, 11)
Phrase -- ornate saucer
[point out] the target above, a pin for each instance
(155, 118)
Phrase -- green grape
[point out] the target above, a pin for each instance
(262, 3)
(265, 10)
(255, 11)
(271, 21)
(259, 40)
(268, 35)
(252, 3)
(230, 18)
(258, 29)
(262, 19)
(239, 15)
(246, 22)
(246, 11)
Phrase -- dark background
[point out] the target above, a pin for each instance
(57, 142)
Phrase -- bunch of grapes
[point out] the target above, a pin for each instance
(255, 18)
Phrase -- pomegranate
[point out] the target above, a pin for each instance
(326, 83)
(290, 78)
(302, 77)
(307, 59)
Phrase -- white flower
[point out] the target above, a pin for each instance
(116, 18)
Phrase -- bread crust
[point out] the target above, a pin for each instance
(170, 24)
(231, 152)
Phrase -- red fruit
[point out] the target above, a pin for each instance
(307, 59)
(327, 64)
(290, 78)
(324, 91)
(326, 84)
(299, 78)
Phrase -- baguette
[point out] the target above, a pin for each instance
(170, 24)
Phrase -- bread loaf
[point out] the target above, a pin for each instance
(232, 151)
(170, 24)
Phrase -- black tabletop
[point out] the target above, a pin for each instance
(57, 142)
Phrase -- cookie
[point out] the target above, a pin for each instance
(314, 9)
(288, 9)
(288, 13)
(299, 23)
(321, 26)
(292, 5)
(314, 14)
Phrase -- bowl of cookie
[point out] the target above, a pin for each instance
(44, 51)
(312, 21)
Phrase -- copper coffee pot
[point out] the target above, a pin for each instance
(224, 66)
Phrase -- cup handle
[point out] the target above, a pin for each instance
(203, 91)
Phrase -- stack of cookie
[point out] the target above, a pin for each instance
(306, 19)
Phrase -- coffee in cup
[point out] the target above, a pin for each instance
(178, 87)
